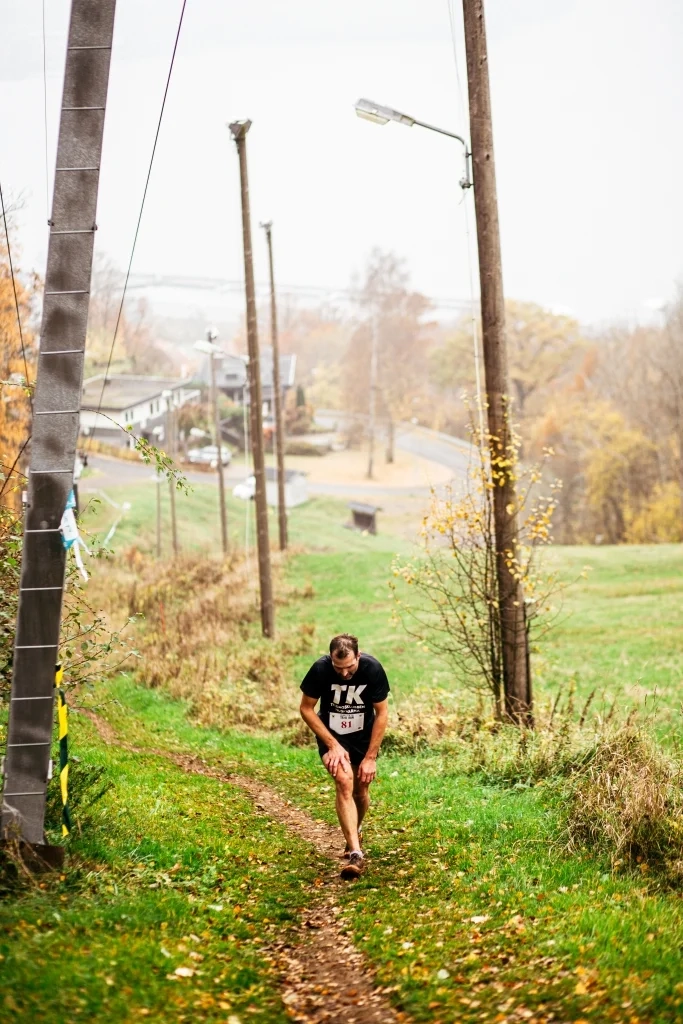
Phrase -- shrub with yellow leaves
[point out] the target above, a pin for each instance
(447, 595)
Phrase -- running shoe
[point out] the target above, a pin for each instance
(355, 866)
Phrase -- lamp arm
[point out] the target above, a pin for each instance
(466, 180)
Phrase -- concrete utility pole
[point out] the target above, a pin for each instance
(171, 448)
(277, 394)
(516, 675)
(56, 409)
(373, 396)
(239, 131)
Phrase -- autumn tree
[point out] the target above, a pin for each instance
(15, 406)
(136, 350)
(388, 305)
(544, 348)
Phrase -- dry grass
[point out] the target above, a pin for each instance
(627, 800)
(198, 639)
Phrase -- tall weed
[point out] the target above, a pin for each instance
(198, 640)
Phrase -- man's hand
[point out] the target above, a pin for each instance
(336, 759)
(367, 769)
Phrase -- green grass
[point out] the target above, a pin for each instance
(319, 523)
(621, 630)
(557, 937)
(559, 934)
(171, 870)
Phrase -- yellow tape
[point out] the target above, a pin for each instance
(64, 783)
(62, 718)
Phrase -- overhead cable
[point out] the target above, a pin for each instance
(142, 207)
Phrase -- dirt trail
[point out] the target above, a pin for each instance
(325, 979)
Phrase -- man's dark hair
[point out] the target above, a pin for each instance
(343, 645)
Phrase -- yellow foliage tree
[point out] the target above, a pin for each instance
(659, 521)
(621, 470)
(15, 405)
(544, 352)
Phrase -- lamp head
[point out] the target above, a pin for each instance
(208, 348)
(239, 129)
(378, 114)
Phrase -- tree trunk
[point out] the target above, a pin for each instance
(391, 431)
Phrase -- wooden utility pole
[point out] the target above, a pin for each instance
(158, 489)
(239, 131)
(212, 335)
(277, 395)
(171, 449)
(372, 417)
(514, 640)
(56, 410)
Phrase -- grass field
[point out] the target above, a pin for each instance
(471, 911)
(319, 523)
(620, 631)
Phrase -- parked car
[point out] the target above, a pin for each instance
(245, 489)
(208, 456)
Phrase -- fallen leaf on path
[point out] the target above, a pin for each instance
(184, 972)
(479, 918)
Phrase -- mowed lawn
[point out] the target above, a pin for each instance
(320, 523)
(619, 631)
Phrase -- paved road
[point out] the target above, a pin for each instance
(429, 444)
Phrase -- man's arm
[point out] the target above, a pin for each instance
(337, 754)
(368, 766)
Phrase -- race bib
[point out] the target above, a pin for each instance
(344, 724)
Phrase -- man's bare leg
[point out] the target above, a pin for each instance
(361, 797)
(347, 811)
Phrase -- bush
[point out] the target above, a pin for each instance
(305, 448)
(627, 800)
(619, 793)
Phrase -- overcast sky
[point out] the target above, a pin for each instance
(587, 96)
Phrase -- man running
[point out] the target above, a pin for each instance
(352, 689)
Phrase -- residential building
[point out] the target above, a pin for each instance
(134, 403)
(231, 377)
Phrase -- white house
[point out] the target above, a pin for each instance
(139, 403)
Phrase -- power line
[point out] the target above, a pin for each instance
(47, 171)
(14, 285)
(142, 207)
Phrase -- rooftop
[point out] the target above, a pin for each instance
(122, 390)
(231, 370)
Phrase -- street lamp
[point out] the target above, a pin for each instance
(211, 350)
(379, 114)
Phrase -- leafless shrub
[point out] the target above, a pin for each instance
(196, 640)
(447, 596)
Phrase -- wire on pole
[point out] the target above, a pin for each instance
(14, 286)
(139, 221)
(47, 170)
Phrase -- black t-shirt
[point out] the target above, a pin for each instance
(346, 705)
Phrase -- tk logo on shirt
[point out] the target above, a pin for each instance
(352, 697)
